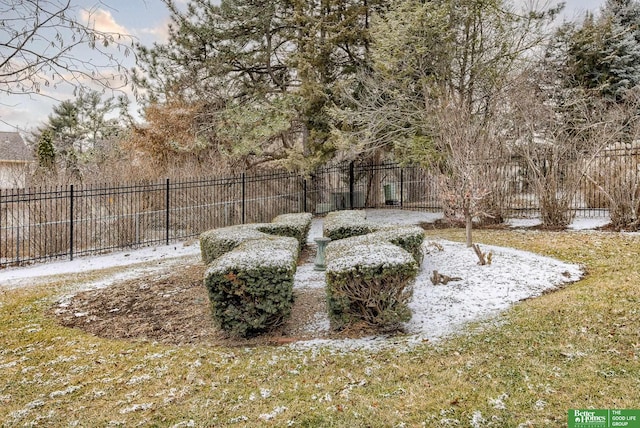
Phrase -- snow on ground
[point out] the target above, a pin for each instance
(522, 222)
(513, 275)
(166, 254)
(438, 310)
(308, 277)
(580, 222)
(588, 223)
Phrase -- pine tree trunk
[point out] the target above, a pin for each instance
(306, 144)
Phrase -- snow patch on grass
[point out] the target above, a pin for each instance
(484, 291)
(477, 420)
(63, 392)
(272, 415)
(136, 408)
(498, 403)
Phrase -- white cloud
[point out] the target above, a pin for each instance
(102, 20)
(159, 33)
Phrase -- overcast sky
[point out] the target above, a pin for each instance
(147, 21)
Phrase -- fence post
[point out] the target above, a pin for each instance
(243, 197)
(1, 227)
(351, 183)
(167, 202)
(401, 186)
(17, 200)
(304, 195)
(71, 222)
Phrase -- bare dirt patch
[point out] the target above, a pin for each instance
(174, 308)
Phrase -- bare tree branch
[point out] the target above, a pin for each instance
(40, 46)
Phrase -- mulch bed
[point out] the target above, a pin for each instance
(174, 308)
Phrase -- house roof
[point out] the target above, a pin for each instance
(13, 148)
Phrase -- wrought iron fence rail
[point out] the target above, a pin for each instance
(63, 222)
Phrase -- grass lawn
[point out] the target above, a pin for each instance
(575, 348)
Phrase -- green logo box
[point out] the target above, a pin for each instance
(598, 418)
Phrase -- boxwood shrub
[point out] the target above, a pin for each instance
(369, 282)
(345, 224)
(216, 242)
(294, 225)
(251, 287)
(409, 238)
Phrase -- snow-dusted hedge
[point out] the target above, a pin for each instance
(345, 224)
(251, 287)
(369, 282)
(216, 242)
(409, 238)
(294, 225)
(251, 269)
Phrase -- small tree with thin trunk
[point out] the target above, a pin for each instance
(46, 151)
(469, 171)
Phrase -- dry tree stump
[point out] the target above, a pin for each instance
(483, 258)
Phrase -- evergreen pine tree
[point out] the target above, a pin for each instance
(264, 71)
(605, 51)
(46, 151)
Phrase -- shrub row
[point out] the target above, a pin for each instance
(214, 243)
(345, 224)
(250, 274)
(370, 273)
(409, 238)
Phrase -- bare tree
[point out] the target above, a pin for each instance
(559, 136)
(39, 44)
(469, 166)
(613, 180)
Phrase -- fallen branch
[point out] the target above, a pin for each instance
(435, 245)
(438, 278)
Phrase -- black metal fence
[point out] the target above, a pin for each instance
(64, 222)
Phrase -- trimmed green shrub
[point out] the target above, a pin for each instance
(335, 248)
(214, 243)
(409, 238)
(369, 282)
(345, 224)
(294, 225)
(251, 287)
